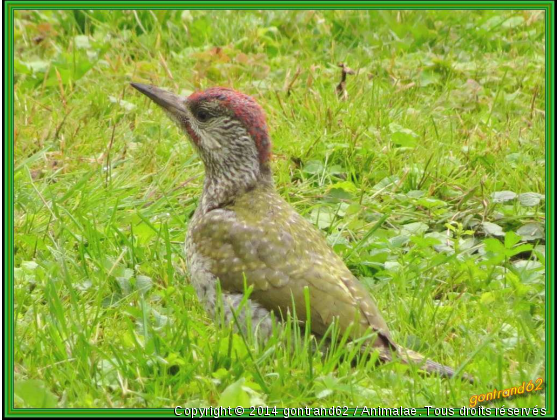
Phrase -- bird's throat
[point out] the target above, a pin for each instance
(223, 187)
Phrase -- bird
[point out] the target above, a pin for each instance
(244, 234)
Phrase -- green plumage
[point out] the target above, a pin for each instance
(261, 237)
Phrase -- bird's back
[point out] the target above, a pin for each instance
(259, 238)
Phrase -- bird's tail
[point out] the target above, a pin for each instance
(426, 365)
(408, 356)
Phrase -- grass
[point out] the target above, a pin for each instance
(428, 180)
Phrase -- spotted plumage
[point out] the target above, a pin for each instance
(244, 234)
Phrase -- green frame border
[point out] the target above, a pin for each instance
(8, 188)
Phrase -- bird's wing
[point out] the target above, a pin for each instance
(262, 241)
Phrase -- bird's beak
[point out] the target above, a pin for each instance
(170, 102)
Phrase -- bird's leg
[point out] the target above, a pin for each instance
(231, 309)
(244, 315)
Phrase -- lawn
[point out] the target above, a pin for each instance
(438, 134)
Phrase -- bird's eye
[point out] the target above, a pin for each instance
(202, 115)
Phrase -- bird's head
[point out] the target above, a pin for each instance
(228, 128)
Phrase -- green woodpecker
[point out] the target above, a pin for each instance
(243, 233)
